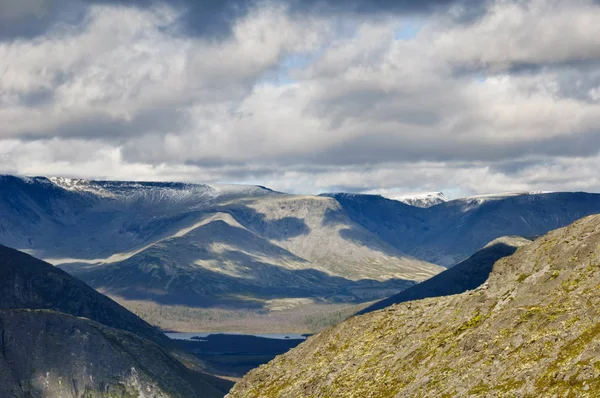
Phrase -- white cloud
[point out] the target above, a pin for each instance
(505, 102)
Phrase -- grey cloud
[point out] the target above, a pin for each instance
(37, 97)
(27, 19)
(209, 18)
(388, 6)
(414, 148)
(513, 167)
(394, 116)
(112, 129)
(576, 81)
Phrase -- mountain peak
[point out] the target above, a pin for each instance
(422, 199)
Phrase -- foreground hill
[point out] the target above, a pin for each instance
(467, 275)
(52, 354)
(26, 282)
(61, 338)
(531, 330)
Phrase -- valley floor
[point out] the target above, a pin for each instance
(282, 316)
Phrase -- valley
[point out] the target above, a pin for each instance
(303, 317)
(194, 257)
(220, 268)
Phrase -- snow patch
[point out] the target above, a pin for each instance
(423, 199)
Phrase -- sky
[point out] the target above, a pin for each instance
(305, 96)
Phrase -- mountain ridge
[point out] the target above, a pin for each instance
(26, 282)
(106, 226)
(61, 338)
(449, 232)
(469, 274)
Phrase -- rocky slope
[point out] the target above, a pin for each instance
(26, 282)
(467, 275)
(531, 330)
(50, 354)
(61, 338)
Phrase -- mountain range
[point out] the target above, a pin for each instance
(427, 199)
(531, 330)
(246, 246)
(449, 232)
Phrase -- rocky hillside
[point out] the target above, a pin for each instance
(531, 330)
(26, 282)
(61, 338)
(467, 275)
(50, 354)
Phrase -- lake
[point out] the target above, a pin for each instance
(276, 336)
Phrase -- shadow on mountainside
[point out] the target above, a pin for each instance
(467, 275)
(277, 229)
(146, 277)
(356, 234)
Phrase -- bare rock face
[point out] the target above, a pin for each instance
(49, 354)
(531, 330)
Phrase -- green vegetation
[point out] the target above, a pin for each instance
(471, 323)
(301, 318)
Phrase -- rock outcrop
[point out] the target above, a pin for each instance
(49, 354)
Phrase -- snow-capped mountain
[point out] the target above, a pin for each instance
(244, 245)
(424, 200)
(449, 232)
(203, 244)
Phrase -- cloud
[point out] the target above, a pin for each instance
(307, 96)
(212, 19)
(525, 34)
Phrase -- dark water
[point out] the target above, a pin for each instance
(233, 355)
(204, 335)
